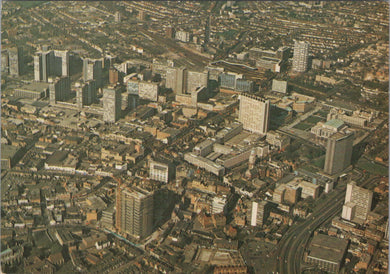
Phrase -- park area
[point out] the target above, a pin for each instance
(311, 121)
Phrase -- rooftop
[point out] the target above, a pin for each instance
(35, 86)
(336, 123)
(57, 158)
(328, 248)
(8, 151)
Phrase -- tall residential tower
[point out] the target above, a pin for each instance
(357, 204)
(134, 209)
(301, 56)
(86, 93)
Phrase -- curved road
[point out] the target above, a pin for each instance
(293, 244)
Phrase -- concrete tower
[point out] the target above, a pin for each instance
(338, 152)
(134, 212)
(112, 102)
(301, 56)
(254, 113)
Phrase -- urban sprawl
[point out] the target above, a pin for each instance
(194, 137)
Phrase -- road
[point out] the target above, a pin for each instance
(292, 246)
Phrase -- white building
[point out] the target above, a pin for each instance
(183, 36)
(301, 56)
(218, 204)
(159, 171)
(357, 204)
(148, 90)
(309, 190)
(325, 130)
(254, 113)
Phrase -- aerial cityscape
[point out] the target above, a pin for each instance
(194, 137)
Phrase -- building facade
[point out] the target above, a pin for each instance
(358, 203)
(93, 70)
(51, 63)
(301, 56)
(279, 86)
(197, 79)
(260, 212)
(159, 171)
(149, 91)
(338, 152)
(254, 113)
(86, 93)
(111, 105)
(176, 79)
(134, 212)
(183, 36)
(59, 89)
(15, 61)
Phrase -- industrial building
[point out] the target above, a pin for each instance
(327, 252)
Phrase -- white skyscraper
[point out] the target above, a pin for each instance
(301, 56)
(357, 203)
(254, 113)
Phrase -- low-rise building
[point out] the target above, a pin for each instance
(277, 140)
(34, 90)
(327, 252)
(204, 163)
(357, 118)
(327, 129)
(161, 171)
